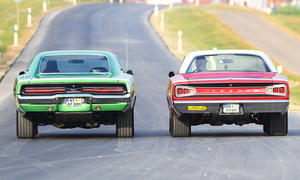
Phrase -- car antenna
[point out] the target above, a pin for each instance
(126, 46)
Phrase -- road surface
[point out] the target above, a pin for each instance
(281, 46)
(226, 152)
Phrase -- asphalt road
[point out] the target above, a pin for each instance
(226, 152)
(281, 46)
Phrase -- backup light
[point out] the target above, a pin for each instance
(182, 91)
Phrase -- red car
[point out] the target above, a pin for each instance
(228, 87)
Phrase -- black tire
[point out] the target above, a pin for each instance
(24, 127)
(125, 124)
(276, 124)
(170, 121)
(179, 126)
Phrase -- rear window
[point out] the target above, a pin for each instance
(74, 64)
(228, 63)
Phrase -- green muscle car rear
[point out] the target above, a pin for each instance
(71, 89)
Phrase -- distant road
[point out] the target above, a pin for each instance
(281, 46)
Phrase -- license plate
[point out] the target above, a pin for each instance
(72, 102)
(197, 108)
(231, 108)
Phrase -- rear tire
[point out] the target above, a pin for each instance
(276, 124)
(125, 124)
(24, 127)
(170, 121)
(179, 126)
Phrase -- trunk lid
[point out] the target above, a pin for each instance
(228, 77)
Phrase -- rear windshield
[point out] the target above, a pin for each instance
(228, 63)
(74, 64)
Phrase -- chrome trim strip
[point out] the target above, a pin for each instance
(75, 96)
(232, 101)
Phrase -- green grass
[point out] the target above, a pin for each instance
(8, 16)
(203, 30)
(287, 18)
(288, 10)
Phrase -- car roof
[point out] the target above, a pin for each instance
(190, 57)
(35, 62)
(62, 52)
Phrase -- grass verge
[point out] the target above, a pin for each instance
(203, 30)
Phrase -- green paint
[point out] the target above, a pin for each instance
(37, 107)
(65, 108)
(110, 107)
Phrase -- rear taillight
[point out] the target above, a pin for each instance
(277, 90)
(44, 90)
(104, 90)
(182, 91)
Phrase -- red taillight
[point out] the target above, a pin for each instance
(182, 91)
(179, 91)
(44, 90)
(186, 91)
(277, 90)
(104, 90)
(281, 90)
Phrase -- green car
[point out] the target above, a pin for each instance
(70, 89)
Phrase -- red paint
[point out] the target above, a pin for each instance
(199, 76)
(231, 90)
(236, 77)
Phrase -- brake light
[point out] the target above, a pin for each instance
(277, 90)
(104, 90)
(281, 90)
(182, 91)
(44, 90)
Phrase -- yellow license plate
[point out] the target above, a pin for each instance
(197, 108)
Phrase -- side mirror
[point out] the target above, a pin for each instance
(279, 69)
(171, 74)
(129, 72)
(21, 73)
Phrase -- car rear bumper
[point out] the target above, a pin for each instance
(55, 103)
(249, 106)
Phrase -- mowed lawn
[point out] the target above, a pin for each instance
(202, 30)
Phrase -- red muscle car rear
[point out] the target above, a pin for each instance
(228, 87)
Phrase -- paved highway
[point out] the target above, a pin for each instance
(226, 152)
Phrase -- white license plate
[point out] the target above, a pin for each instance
(231, 108)
(74, 102)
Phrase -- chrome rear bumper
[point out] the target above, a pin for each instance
(88, 98)
(249, 106)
